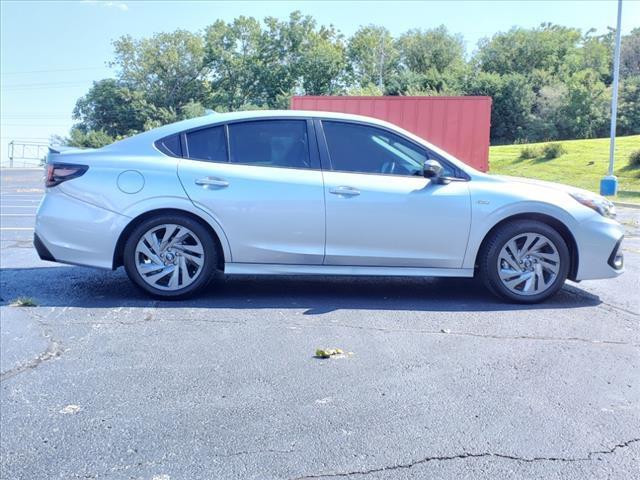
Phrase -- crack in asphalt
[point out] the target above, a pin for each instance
(53, 350)
(138, 322)
(571, 290)
(253, 452)
(465, 455)
(478, 335)
(615, 308)
(150, 317)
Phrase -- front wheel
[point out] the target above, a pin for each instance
(525, 261)
(170, 256)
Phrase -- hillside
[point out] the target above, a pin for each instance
(583, 165)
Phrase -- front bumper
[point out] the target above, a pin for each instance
(616, 259)
(599, 246)
(72, 231)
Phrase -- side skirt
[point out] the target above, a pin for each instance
(283, 269)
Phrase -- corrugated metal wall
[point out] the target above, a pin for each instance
(459, 125)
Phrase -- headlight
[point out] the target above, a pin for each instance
(600, 204)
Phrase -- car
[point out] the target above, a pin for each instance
(314, 193)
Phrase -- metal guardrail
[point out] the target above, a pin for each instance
(26, 154)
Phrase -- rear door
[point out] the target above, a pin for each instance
(261, 181)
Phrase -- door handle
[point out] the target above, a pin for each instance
(345, 191)
(212, 182)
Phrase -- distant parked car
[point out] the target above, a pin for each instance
(289, 193)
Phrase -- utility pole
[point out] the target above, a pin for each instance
(381, 61)
(609, 184)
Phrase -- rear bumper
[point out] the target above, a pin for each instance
(41, 248)
(69, 230)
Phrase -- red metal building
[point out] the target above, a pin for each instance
(459, 125)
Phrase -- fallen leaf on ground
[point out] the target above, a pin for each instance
(327, 352)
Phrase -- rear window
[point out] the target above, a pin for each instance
(170, 145)
(207, 144)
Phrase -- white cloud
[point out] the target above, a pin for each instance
(119, 5)
(122, 6)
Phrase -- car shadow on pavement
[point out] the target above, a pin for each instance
(81, 287)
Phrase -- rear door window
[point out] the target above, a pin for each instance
(270, 143)
(207, 144)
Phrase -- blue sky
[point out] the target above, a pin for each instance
(51, 51)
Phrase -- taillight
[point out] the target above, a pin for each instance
(61, 172)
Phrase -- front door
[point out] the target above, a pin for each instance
(380, 210)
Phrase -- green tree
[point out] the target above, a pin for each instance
(373, 56)
(233, 56)
(322, 66)
(169, 68)
(629, 106)
(548, 119)
(630, 54)
(422, 51)
(513, 99)
(523, 51)
(586, 114)
(112, 108)
(596, 53)
(191, 110)
(286, 55)
(90, 139)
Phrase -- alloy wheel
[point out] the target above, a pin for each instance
(528, 264)
(169, 257)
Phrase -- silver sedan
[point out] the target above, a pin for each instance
(314, 193)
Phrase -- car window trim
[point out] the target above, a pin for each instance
(313, 160)
(326, 157)
(314, 156)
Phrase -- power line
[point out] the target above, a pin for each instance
(26, 138)
(32, 125)
(53, 70)
(41, 86)
(35, 117)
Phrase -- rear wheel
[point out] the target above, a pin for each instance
(170, 256)
(525, 261)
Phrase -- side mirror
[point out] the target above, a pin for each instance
(432, 169)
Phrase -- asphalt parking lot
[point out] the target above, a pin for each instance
(444, 381)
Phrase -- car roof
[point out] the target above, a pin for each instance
(151, 136)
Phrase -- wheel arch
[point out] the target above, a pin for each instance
(118, 252)
(553, 222)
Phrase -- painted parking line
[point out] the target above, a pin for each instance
(18, 206)
(17, 214)
(15, 229)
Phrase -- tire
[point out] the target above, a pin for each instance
(529, 270)
(175, 245)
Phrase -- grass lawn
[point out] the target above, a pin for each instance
(583, 165)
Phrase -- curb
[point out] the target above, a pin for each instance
(627, 204)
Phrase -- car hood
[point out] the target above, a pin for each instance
(541, 183)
